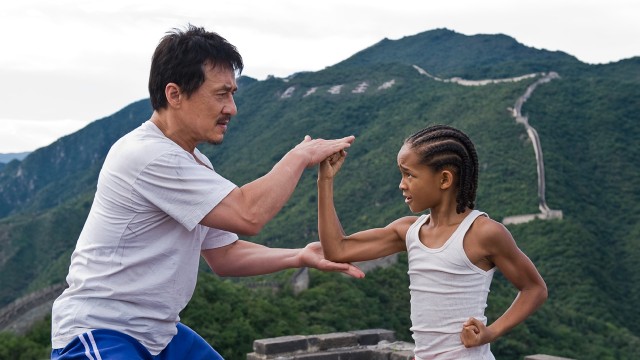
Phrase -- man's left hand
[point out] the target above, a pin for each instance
(312, 256)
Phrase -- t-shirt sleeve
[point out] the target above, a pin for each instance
(182, 188)
(216, 238)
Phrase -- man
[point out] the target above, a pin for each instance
(160, 205)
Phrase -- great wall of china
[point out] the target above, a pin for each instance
(545, 212)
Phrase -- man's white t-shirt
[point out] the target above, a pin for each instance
(136, 262)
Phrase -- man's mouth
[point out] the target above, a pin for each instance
(223, 123)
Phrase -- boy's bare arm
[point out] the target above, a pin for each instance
(364, 245)
(520, 271)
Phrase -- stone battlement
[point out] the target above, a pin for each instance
(372, 344)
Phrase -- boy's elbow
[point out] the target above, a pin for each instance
(338, 257)
(543, 293)
(332, 254)
(333, 257)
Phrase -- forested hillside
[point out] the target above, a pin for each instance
(588, 122)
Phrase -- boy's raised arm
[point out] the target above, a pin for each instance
(329, 228)
(364, 245)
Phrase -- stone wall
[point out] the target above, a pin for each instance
(372, 344)
(20, 315)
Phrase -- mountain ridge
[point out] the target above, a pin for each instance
(495, 56)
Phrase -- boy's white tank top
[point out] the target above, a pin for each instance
(446, 290)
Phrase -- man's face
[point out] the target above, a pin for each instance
(209, 109)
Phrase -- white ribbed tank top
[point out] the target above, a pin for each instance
(446, 290)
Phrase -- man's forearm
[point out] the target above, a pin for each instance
(244, 258)
(267, 195)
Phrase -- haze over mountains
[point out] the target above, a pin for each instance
(5, 158)
(588, 124)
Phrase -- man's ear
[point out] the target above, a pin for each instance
(172, 92)
(446, 179)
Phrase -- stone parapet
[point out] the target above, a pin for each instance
(371, 344)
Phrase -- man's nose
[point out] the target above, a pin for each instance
(230, 108)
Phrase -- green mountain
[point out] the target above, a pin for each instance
(587, 120)
(450, 54)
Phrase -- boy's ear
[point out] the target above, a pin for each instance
(446, 179)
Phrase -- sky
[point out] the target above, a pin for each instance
(66, 63)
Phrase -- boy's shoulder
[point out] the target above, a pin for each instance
(489, 231)
(406, 220)
(402, 225)
(485, 223)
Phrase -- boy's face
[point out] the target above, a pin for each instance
(420, 184)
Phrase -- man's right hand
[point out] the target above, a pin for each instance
(316, 150)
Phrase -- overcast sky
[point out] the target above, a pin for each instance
(66, 63)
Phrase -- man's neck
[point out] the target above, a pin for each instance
(170, 130)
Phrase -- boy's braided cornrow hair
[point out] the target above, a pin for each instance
(442, 146)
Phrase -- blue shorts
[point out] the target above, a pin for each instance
(105, 344)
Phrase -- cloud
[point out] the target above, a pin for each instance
(85, 59)
(28, 135)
